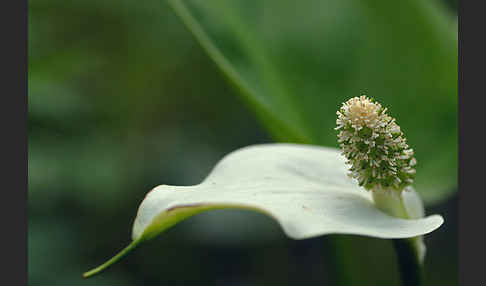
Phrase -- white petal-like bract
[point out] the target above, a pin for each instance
(304, 188)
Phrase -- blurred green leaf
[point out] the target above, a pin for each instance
(295, 64)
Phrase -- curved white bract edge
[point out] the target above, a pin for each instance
(303, 187)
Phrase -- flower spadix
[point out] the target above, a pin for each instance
(374, 146)
(380, 159)
(304, 188)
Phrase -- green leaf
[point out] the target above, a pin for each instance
(295, 64)
(304, 188)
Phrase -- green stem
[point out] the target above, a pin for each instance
(411, 269)
(409, 251)
(114, 259)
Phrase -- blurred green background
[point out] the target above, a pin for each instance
(121, 99)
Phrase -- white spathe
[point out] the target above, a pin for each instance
(304, 188)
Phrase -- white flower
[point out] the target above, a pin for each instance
(374, 146)
(303, 187)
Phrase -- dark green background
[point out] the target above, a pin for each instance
(121, 99)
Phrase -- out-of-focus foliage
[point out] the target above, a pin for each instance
(297, 63)
(121, 99)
